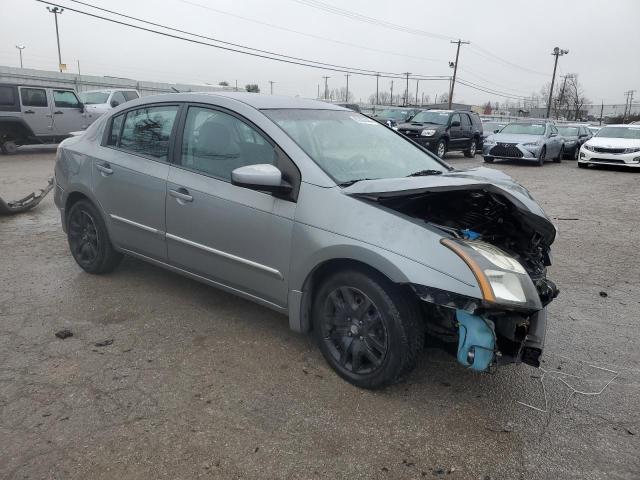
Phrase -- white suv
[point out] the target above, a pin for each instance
(101, 101)
(612, 145)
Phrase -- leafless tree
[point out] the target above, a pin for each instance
(575, 97)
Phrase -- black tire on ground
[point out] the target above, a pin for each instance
(542, 156)
(583, 165)
(8, 147)
(88, 239)
(441, 148)
(558, 159)
(368, 329)
(576, 152)
(488, 160)
(471, 151)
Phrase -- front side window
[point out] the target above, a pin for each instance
(147, 131)
(216, 143)
(349, 146)
(7, 96)
(455, 118)
(65, 99)
(34, 97)
(130, 95)
(118, 97)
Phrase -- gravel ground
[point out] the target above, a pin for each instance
(198, 383)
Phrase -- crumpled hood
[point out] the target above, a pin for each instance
(514, 138)
(480, 178)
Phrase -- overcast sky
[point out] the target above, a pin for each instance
(602, 38)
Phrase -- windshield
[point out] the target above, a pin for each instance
(349, 146)
(492, 126)
(568, 131)
(92, 98)
(632, 133)
(394, 114)
(524, 128)
(437, 118)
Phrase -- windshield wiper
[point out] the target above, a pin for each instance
(348, 183)
(425, 173)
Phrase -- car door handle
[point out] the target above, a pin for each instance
(181, 194)
(104, 168)
(58, 112)
(29, 111)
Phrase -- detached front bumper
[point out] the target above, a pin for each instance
(510, 151)
(622, 159)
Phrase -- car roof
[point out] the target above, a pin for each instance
(258, 101)
(110, 90)
(629, 125)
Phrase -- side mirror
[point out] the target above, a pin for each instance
(114, 103)
(263, 177)
(455, 124)
(81, 107)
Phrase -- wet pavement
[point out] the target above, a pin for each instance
(167, 378)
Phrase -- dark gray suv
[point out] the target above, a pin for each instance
(445, 130)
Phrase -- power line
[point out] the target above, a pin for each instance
(483, 52)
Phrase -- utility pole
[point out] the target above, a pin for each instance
(326, 88)
(20, 48)
(627, 104)
(347, 95)
(236, 85)
(318, 97)
(455, 69)
(377, 80)
(557, 52)
(78, 67)
(417, 82)
(601, 110)
(57, 11)
(271, 82)
(406, 90)
(391, 102)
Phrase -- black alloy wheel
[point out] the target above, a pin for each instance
(542, 156)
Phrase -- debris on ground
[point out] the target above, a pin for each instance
(26, 203)
(104, 343)
(604, 294)
(64, 333)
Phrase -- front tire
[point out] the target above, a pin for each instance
(88, 239)
(368, 330)
(583, 165)
(542, 156)
(441, 148)
(8, 147)
(558, 159)
(576, 153)
(471, 151)
(488, 160)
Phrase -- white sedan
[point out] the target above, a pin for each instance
(612, 145)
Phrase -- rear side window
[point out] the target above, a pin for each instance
(116, 128)
(34, 97)
(130, 95)
(147, 131)
(65, 99)
(7, 96)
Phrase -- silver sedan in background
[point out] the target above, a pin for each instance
(531, 141)
(356, 233)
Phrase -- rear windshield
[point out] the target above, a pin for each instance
(632, 133)
(524, 128)
(436, 118)
(93, 98)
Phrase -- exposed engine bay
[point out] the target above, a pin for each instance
(481, 214)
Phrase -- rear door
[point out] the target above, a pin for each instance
(467, 129)
(234, 236)
(130, 177)
(35, 105)
(68, 114)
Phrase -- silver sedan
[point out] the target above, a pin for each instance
(531, 141)
(354, 232)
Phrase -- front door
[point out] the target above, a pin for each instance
(130, 178)
(68, 114)
(234, 236)
(36, 110)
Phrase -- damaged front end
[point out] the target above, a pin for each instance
(504, 237)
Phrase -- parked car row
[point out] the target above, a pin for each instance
(31, 114)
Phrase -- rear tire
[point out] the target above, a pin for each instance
(89, 240)
(9, 147)
(471, 151)
(368, 330)
(542, 156)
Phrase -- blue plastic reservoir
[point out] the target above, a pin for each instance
(477, 341)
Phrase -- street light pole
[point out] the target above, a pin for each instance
(326, 87)
(57, 11)
(20, 48)
(557, 52)
(271, 82)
